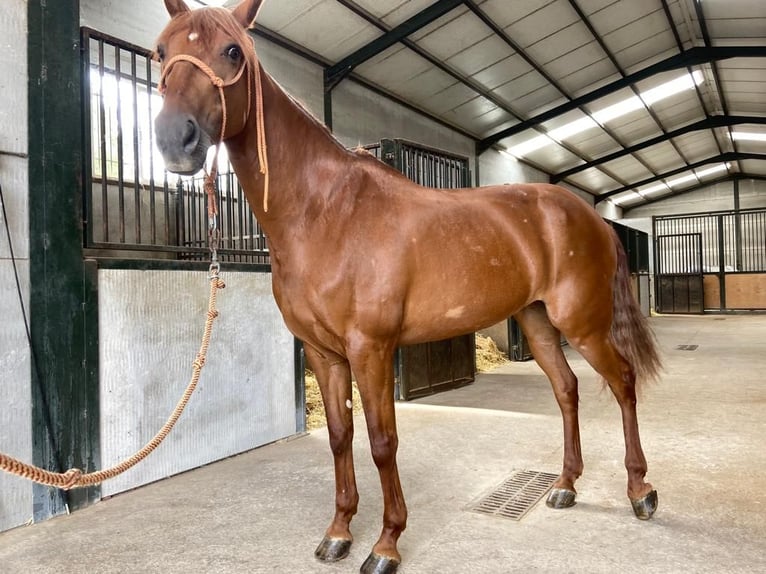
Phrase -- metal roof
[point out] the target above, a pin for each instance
(632, 100)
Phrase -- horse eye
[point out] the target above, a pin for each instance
(159, 53)
(234, 52)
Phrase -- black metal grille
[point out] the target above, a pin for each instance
(731, 241)
(516, 495)
(133, 206)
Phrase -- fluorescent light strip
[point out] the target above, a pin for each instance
(672, 183)
(748, 136)
(609, 113)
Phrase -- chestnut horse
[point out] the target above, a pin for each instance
(363, 260)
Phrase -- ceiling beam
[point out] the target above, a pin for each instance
(706, 124)
(691, 57)
(722, 158)
(335, 73)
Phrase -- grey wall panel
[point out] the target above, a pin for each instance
(361, 116)
(150, 326)
(16, 504)
(13, 76)
(15, 397)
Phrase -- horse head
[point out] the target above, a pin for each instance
(208, 62)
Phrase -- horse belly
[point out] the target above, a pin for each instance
(470, 300)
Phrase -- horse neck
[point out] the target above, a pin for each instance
(295, 142)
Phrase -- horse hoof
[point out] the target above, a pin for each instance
(332, 549)
(561, 498)
(644, 507)
(376, 564)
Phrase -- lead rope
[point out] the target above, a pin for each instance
(74, 477)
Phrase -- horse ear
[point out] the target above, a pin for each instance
(246, 12)
(176, 7)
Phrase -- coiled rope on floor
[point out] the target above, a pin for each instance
(74, 477)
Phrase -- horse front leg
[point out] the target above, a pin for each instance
(373, 366)
(334, 378)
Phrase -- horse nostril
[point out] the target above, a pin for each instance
(190, 136)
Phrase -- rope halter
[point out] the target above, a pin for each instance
(220, 83)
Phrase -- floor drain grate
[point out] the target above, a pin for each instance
(687, 347)
(516, 495)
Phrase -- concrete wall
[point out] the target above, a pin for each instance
(15, 393)
(150, 325)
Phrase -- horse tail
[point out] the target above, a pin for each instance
(630, 332)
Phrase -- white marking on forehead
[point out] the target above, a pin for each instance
(193, 37)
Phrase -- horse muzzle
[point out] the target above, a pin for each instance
(182, 142)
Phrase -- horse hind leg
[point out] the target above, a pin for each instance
(334, 378)
(545, 342)
(599, 350)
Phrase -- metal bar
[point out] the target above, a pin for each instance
(120, 156)
(87, 103)
(102, 135)
(136, 156)
(150, 130)
(721, 261)
(335, 73)
(691, 57)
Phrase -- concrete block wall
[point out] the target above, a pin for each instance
(15, 394)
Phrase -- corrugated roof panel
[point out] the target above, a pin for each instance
(594, 180)
(503, 72)
(754, 167)
(628, 168)
(394, 67)
(739, 10)
(349, 31)
(535, 102)
(577, 60)
(553, 158)
(662, 157)
(562, 42)
(457, 34)
(392, 12)
(638, 129)
(277, 15)
(477, 115)
(594, 143)
(543, 22)
(421, 88)
(749, 27)
(619, 14)
(498, 10)
(480, 56)
(652, 25)
(521, 86)
(678, 114)
(589, 78)
(697, 146)
(440, 23)
(450, 98)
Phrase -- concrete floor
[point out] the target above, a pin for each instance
(703, 430)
